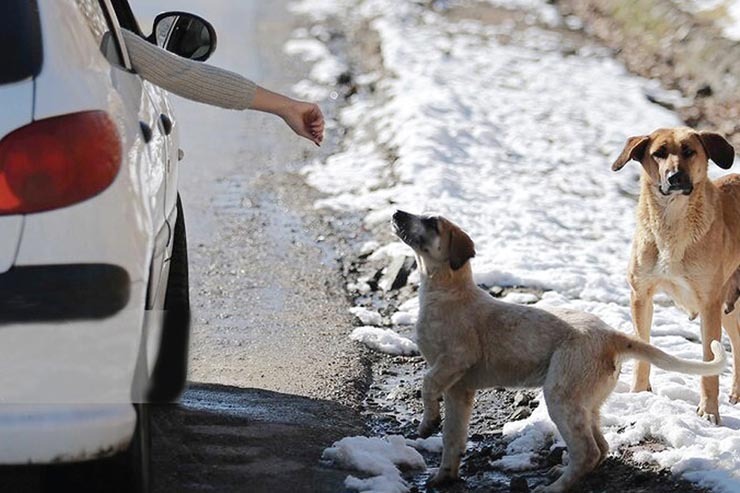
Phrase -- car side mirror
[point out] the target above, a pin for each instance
(184, 34)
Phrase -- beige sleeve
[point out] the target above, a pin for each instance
(193, 80)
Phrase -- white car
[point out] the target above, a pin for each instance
(92, 240)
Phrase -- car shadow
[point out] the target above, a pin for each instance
(224, 439)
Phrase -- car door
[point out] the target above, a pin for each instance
(163, 132)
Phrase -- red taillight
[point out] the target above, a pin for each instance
(58, 162)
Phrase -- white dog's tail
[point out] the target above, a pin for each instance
(637, 349)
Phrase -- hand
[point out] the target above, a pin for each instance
(305, 119)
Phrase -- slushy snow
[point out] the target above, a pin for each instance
(366, 316)
(384, 340)
(380, 458)
(513, 141)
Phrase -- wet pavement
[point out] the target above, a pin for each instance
(274, 378)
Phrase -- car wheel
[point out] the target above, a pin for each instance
(170, 371)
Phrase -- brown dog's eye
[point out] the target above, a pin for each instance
(688, 152)
(661, 153)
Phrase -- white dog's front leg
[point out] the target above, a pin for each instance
(443, 375)
(431, 419)
(458, 406)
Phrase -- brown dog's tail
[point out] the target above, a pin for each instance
(634, 348)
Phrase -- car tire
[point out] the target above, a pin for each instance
(170, 370)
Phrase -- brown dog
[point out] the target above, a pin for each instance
(471, 341)
(687, 242)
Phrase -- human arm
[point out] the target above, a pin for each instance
(214, 86)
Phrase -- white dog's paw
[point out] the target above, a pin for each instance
(429, 427)
(443, 477)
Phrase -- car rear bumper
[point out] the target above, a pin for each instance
(75, 359)
(43, 434)
(62, 293)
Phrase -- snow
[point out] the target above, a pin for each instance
(367, 317)
(521, 298)
(384, 340)
(514, 142)
(729, 21)
(407, 313)
(378, 457)
(369, 247)
(431, 444)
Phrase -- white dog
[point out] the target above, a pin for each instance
(471, 341)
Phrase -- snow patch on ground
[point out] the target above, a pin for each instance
(514, 142)
(378, 457)
(384, 340)
(407, 313)
(431, 444)
(521, 298)
(367, 317)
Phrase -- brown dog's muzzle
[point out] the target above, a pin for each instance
(677, 181)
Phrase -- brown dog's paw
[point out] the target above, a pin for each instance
(429, 427)
(642, 387)
(735, 397)
(711, 415)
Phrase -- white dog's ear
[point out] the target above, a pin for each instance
(461, 249)
(633, 149)
(718, 149)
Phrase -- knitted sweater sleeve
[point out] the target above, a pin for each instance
(192, 80)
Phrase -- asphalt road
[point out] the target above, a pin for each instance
(274, 377)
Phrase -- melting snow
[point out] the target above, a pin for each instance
(378, 457)
(384, 340)
(367, 317)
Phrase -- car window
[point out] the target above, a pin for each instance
(98, 23)
(20, 35)
(126, 17)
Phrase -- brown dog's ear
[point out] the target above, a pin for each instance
(633, 149)
(461, 248)
(718, 149)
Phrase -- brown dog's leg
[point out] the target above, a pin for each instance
(641, 304)
(731, 323)
(711, 330)
(458, 407)
(443, 375)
